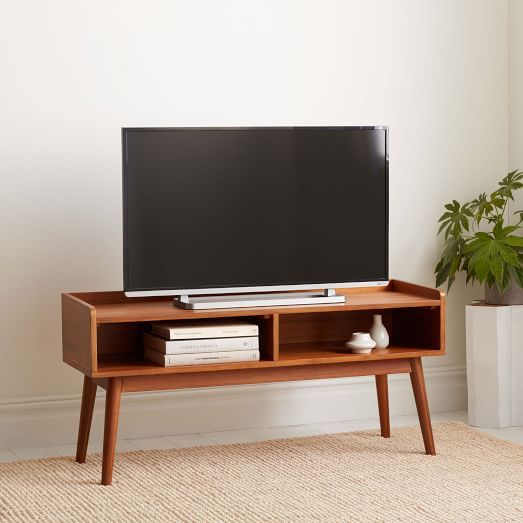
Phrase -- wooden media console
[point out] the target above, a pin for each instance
(101, 336)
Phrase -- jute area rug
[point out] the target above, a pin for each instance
(357, 476)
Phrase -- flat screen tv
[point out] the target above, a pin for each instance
(223, 210)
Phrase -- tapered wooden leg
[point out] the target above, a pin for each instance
(86, 417)
(382, 388)
(112, 411)
(420, 395)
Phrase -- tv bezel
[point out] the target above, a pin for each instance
(256, 288)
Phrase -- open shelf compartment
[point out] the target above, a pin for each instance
(120, 348)
(320, 338)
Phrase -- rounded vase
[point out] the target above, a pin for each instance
(360, 343)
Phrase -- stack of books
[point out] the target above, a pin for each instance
(202, 342)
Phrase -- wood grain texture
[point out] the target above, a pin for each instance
(334, 326)
(120, 338)
(443, 323)
(290, 356)
(112, 413)
(103, 383)
(333, 352)
(420, 395)
(86, 417)
(414, 288)
(134, 383)
(114, 307)
(79, 334)
(382, 390)
(270, 337)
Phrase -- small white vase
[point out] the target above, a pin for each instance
(379, 333)
(360, 343)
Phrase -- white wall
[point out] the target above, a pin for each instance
(516, 86)
(73, 73)
(516, 93)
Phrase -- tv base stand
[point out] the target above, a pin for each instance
(101, 334)
(283, 299)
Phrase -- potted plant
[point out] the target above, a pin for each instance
(481, 241)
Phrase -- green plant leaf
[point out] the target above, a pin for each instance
(452, 272)
(504, 282)
(441, 227)
(481, 206)
(480, 240)
(449, 262)
(496, 267)
(484, 236)
(497, 199)
(518, 275)
(512, 182)
(471, 277)
(442, 275)
(482, 269)
(450, 251)
(487, 255)
(455, 219)
(505, 231)
(508, 254)
(514, 241)
(445, 216)
(478, 255)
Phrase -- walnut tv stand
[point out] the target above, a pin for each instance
(101, 336)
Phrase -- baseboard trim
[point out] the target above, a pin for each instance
(52, 420)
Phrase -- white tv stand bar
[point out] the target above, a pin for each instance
(232, 301)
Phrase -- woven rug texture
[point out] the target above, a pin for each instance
(356, 477)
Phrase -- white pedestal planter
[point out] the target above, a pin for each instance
(495, 365)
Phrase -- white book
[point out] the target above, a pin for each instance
(201, 345)
(203, 358)
(193, 330)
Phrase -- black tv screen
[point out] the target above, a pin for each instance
(221, 208)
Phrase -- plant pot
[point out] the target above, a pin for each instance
(512, 296)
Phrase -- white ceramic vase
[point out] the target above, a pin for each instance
(360, 343)
(379, 333)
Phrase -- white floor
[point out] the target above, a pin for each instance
(243, 436)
